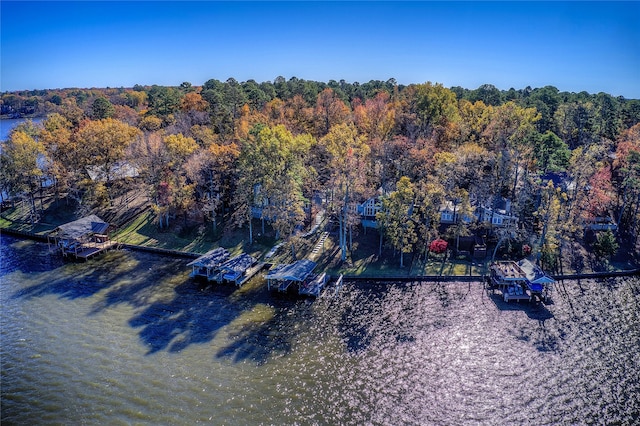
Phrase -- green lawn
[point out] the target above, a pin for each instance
(363, 260)
(195, 238)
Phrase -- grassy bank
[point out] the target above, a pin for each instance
(363, 259)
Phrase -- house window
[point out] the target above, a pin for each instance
(447, 216)
(496, 220)
(371, 209)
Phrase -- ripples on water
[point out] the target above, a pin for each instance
(129, 338)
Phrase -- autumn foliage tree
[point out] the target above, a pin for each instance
(348, 160)
(103, 144)
(19, 168)
(398, 218)
(438, 246)
(200, 152)
(270, 169)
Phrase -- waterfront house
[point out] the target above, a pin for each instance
(600, 224)
(450, 214)
(119, 170)
(499, 215)
(368, 210)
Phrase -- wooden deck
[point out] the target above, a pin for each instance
(87, 250)
(250, 273)
(313, 287)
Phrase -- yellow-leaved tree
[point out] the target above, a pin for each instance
(101, 146)
(19, 171)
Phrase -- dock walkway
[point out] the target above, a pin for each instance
(251, 272)
(89, 249)
(313, 287)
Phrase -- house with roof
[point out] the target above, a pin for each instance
(237, 269)
(600, 223)
(118, 170)
(450, 214)
(520, 280)
(282, 276)
(498, 215)
(208, 265)
(367, 211)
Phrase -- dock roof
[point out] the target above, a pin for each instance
(211, 259)
(297, 271)
(534, 274)
(85, 226)
(240, 263)
(508, 271)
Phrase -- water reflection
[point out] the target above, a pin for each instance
(415, 353)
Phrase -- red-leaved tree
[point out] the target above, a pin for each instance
(438, 246)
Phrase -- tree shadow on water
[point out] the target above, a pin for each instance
(144, 283)
(536, 333)
(75, 280)
(193, 315)
(258, 341)
(27, 256)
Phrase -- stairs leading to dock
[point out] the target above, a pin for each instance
(320, 244)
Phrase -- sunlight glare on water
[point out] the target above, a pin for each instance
(129, 338)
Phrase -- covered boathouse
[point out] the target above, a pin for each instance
(520, 280)
(208, 265)
(238, 269)
(301, 273)
(82, 238)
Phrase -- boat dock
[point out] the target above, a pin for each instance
(207, 266)
(519, 281)
(87, 250)
(250, 273)
(509, 280)
(314, 286)
(282, 276)
(82, 238)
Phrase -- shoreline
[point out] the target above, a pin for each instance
(403, 278)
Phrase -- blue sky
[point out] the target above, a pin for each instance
(574, 46)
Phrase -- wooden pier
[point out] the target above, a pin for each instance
(314, 286)
(87, 250)
(249, 273)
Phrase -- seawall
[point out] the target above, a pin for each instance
(352, 278)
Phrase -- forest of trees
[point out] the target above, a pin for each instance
(216, 152)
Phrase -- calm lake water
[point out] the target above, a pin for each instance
(9, 123)
(128, 338)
